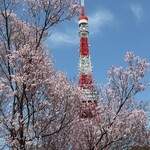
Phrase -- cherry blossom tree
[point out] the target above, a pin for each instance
(120, 122)
(39, 107)
(36, 101)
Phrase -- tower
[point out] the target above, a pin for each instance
(85, 82)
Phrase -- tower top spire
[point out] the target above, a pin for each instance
(82, 7)
(82, 2)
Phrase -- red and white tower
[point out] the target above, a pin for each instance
(85, 83)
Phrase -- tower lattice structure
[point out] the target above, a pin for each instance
(85, 82)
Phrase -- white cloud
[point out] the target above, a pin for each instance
(63, 37)
(100, 19)
(137, 10)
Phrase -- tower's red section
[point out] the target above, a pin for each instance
(84, 46)
(83, 17)
(86, 82)
(82, 11)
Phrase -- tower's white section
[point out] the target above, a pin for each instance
(85, 66)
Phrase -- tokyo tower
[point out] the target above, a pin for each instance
(85, 81)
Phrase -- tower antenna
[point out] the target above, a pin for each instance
(82, 2)
(82, 7)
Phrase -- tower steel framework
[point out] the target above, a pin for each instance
(85, 82)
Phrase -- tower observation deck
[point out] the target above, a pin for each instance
(85, 82)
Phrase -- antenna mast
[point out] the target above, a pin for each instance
(82, 7)
(82, 2)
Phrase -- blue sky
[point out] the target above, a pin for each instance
(115, 27)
